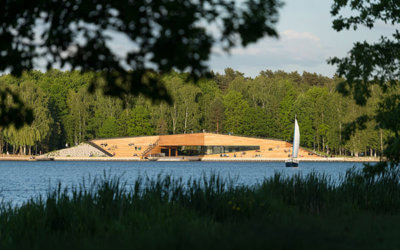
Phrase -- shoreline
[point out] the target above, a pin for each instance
(136, 159)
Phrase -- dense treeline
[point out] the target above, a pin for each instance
(265, 106)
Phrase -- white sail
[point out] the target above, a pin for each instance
(296, 139)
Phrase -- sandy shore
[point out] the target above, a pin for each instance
(334, 159)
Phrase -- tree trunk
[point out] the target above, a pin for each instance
(186, 118)
(340, 138)
(80, 128)
(314, 143)
(83, 130)
(75, 136)
(380, 130)
(174, 118)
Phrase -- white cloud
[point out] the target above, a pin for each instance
(294, 50)
(294, 35)
(293, 46)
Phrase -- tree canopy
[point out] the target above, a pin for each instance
(264, 106)
(163, 36)
(372, 64)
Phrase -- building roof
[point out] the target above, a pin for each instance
(144, 145)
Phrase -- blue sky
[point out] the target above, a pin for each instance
(306, 41)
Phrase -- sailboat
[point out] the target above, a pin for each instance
(294, 162)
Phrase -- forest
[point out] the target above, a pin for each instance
(66, 113)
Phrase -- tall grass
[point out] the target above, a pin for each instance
(210, 213)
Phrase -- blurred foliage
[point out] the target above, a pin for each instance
(162, 36)
(372, 64)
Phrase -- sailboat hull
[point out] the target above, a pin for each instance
(292, 163)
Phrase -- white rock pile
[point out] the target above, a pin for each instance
(82, 150)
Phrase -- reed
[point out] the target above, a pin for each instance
(210, 213)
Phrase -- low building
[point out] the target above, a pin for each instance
(205, 145)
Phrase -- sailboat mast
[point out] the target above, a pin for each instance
(294, 135)
(296, 138)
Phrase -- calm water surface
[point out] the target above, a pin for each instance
(20, 181)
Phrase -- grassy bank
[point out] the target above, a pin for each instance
(300, 212)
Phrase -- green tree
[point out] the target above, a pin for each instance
(28, 136)
(139, 122)
(189, 107)
(57, 84)
(261, 91)
(256, 121)
(286, 116)
(108, 128)
(215, 116)
(164, 36)
(209, 92)
(160, 118)
(123, 122)
(372, 64)
(79, 112)
(318, 116)
(303, 107)
(223, 81)
(104, 107)
(235, 112)
(270, 98)
(337, 113)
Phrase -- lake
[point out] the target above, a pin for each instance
(21, 180)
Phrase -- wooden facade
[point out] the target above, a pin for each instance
(169, 146)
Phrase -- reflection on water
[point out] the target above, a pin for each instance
(21, 180)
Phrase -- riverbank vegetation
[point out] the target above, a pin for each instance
(298, 212)
(65, 112)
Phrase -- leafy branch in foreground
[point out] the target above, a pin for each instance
(373, 64)
(13, 109)
(161, 36)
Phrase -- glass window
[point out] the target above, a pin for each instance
(209, 150)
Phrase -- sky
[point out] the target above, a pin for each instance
(306, 41)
